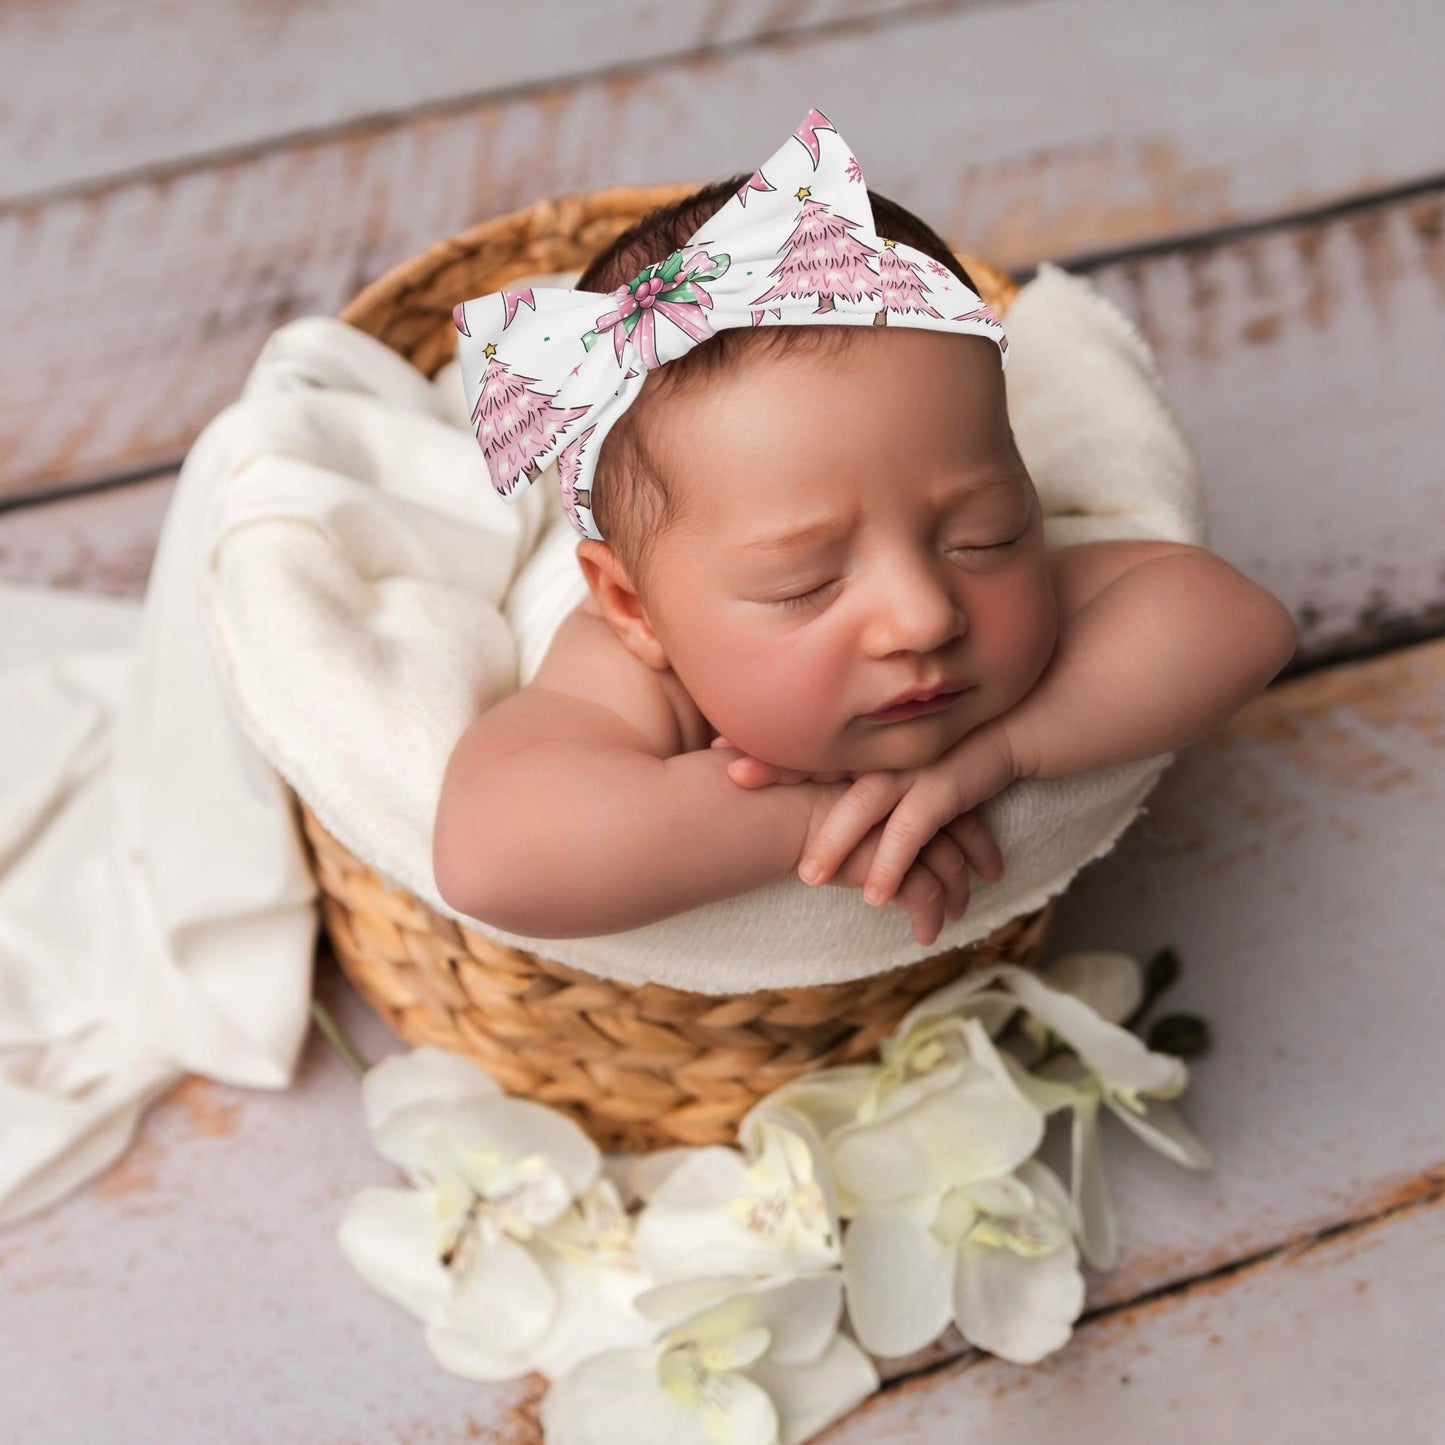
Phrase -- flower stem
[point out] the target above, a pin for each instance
(335, 1035)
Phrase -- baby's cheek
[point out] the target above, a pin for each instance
(786, 708)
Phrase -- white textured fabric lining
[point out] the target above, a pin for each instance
(356, 675)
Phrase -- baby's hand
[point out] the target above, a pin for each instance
(936, 884)
(917, 803)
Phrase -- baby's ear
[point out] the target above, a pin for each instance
(618, 600)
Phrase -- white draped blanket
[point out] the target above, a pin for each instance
(336, 592)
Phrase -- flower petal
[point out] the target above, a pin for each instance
(391, 1238)
(690, 1227)
(1161, 1128)
(973, 1130)
(898, 1278)
(618, 1396)
(500, 1310)
(1111, 983)
(643, 1173)
(1116, 1055)
(802, 1315)
(594, 1313)
(767, 1117)
(1048, 1095)
(738, 1410)
(974, 994)
(828, 1098)
(503, 1131)
(1049, 1191)
(1018, 1307)
(808, 1398)
(422, 1075)
(1089, 1190)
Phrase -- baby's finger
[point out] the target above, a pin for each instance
(913, 822)
(972, 835)
(946, 861)
(870, 800)
(749, 772)
(920, 895)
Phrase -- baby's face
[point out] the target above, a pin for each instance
(854, 525)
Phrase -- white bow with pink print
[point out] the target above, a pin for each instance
(795, 246)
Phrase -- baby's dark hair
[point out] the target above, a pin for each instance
(632, 503)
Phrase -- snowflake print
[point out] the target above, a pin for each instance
(939, 270)
(853, 170)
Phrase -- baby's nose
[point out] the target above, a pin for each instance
(914, 613)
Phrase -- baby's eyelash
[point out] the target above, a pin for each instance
(804, 599)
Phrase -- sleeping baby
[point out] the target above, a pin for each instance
(822, 627)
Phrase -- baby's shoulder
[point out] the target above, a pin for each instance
(587, 659)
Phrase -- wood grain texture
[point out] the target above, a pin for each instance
(102, 542)
(95, 88)
(1292, 859)
(1127, 121)
(1331, 1341)
(1303, 362)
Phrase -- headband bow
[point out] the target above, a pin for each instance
(549, 370)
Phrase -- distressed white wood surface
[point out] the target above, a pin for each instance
(1022, 131)
(199, 186)
(1331, 1342)
(1292, 858)
(124, 85)
(1304, 363)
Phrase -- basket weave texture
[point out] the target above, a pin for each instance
(639, 1067)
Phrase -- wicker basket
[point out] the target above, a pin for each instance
(639, 1067)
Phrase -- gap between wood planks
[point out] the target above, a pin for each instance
(1418, 1192)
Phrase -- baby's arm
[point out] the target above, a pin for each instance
(1159, 643)
(571, 809)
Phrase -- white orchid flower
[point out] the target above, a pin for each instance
(948, 1217)
(765, 1210)
(930, 1054)
(995, 1255)
(738, 1362)
(1080, 1000)
(502, 1247)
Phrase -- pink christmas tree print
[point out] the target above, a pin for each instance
(820, 258)
(982, 313)
(904, 288)
(755, 182)
(569, 471)
(515, 426)
(807, 133)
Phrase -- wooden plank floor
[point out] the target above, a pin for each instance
(1291, 859)
(1262, 190)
